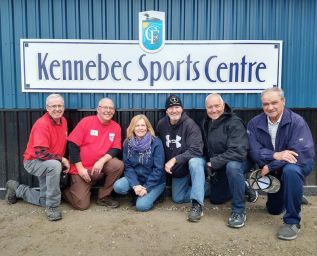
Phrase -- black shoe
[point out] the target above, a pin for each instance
(196, 212)
(11, 187)
(109, 202)
(252, 195)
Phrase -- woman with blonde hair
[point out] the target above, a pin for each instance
(143, 157)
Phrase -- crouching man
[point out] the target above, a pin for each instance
(44, 158)
(94, 145)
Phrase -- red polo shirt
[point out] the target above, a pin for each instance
(94, 140)
(47, 133)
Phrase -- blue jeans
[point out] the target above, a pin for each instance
(182, 191)
(48, 173)
(230, 184)
(143, 203)
(290, 195)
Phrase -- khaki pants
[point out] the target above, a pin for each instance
(78, 194)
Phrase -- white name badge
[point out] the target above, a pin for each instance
(93, 132)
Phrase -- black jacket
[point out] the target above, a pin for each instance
(182, 141)
(225, 139)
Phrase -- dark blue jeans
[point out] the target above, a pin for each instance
(230, 184)
(290, 195)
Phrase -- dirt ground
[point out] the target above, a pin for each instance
(24, 230)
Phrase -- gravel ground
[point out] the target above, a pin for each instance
(24, 230)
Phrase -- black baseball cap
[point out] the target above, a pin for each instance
(173, 100)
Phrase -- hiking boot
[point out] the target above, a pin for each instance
(252, 195)
(11, 187)
(53, 213)
(304, 200)
(196, 212)
(236, 220)
(288, 231)
(109, 202)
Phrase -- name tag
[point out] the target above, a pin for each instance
(93, 132)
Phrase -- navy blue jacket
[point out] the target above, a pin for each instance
(293, 134)
(146, 170)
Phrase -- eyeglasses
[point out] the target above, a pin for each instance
(107, 108)
(55, 106)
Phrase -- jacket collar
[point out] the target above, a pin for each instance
(226, 114)
(285, 120)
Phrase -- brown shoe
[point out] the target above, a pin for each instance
(109, 202)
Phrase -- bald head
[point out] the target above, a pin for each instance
(215, 106)
(213, 96)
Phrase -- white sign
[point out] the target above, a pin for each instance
(123, 67)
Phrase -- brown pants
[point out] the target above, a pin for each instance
(78, 194)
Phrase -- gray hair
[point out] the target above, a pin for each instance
(54, 96)
(101, 100)
(213, 95)
(274, 89)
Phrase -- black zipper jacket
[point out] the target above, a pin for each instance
(225, 139)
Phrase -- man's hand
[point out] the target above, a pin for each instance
(211, 174)
(143, 192)
(98, 166)
(139, 190)
(169, 165)
(100, 163)
(265, 170)
(65, 163)
(83, 172)
(286, 155)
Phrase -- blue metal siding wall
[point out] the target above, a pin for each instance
(293, 21)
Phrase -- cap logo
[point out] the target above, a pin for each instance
(174, 100)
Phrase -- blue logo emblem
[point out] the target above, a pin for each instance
(152, 31)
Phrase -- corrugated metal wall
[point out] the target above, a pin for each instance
(293, 21)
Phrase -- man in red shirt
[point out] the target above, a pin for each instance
(44, 158)
(94, 145)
